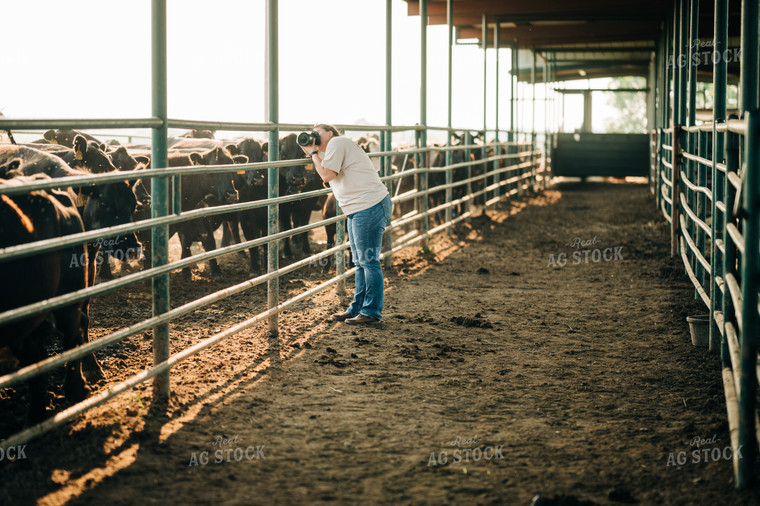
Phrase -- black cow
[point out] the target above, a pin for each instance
(298, 180)
(66, 137)
(100, 206)
(198, 191)
(32, 217)
(253, 186)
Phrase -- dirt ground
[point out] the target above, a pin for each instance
(498, 374)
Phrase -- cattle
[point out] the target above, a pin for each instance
(66, 137)
(122, 160)
(198, 191)
(100, 206)
(403, 162)
(252, 186)
(199, 134)
(30, 217)
(298, 180)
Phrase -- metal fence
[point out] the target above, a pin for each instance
(517, 170)
(705, 179)
(495, 171)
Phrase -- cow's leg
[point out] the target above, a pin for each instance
(234, 224)
(32, 350)
(105, 264)
(68, 320)
(185, 244)
(90, 366)
(209, 244)
(285, 225)
(304, 219)
(330, 231)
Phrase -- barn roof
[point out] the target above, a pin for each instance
(586, 38)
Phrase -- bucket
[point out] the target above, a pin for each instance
(699, 326)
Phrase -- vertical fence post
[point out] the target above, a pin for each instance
(533, 120)
(675, 193)
(718, 178)
(516, 67)
(512, 132)
(468, 159)
(750, 261)
(729, 258)
(449, 157)
(159, 196)
(750, 268)
(423, 121)
(497, 148)
(388, 119)
(273, 173)
(693, 169)
(484, 37)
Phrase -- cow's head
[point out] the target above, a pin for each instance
(89, 155)
(221, 186)
(109, 205)
(122, 160)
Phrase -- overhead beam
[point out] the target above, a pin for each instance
(548, 9)
(607, 31)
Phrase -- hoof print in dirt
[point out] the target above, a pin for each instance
(475, 321)
(328, 360)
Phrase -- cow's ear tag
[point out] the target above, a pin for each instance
(310, 167)
(78, 155)
(240, 172)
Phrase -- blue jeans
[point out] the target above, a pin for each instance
(365, 235)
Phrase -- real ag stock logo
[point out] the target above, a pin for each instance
(705, 451)
(465, 452)
(583, 253)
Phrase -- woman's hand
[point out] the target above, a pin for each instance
(309, 149)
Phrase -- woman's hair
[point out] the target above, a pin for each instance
(328, 128)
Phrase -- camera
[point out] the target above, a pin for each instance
(306, 138)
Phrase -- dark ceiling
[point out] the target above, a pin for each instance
(586, 38)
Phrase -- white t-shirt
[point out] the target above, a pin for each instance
(357, 186)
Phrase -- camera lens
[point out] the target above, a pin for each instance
(304, 139)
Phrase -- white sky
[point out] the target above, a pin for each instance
(91, 59)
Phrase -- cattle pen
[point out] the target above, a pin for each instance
(701, 165)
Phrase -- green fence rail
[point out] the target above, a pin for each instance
(705, 181)
(520, 169)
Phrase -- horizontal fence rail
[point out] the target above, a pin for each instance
(705, 179)
(504, 170)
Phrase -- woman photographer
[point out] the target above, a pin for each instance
(364, 199)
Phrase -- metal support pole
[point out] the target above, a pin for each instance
(750, 260)
(674, 209)
(533, 120)
(468, 157)
(750, 268)
(693, 170)
(449, 175)
(159, 196)
(718, 178)
(423, 119)
(388, 119)
(484, 37)
(729, 257)
(497, 151)
(273, 174)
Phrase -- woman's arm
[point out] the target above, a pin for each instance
(327, 175)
